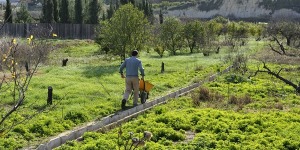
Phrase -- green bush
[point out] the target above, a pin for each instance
(20, 129)
(233, 78)
(167, 133)
(76, 117)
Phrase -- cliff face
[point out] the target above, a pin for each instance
(240, 9)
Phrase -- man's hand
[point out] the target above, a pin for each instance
(122, 76)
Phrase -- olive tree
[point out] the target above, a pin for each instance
(211, 33)
(280, 30)
(238, 31)
(194, 33)
(287, 29)
(171, 34)
(128, 29)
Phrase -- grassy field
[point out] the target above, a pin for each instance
(90, 87)
(233, 112)
(237, 113)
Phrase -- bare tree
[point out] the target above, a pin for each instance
(277, 75)
(19, 62)
(287, 29)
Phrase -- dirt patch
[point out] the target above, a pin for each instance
(189, 136)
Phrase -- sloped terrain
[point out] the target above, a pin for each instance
(235, 9)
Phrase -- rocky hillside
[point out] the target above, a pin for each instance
(236, 9)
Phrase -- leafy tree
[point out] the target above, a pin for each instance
(78, 11)
(171, 34)
(238, 31)
(125, 31)
(194, 34)
(210, 42)
(94, 9)
(156, 42)
(55, 11)
(23, 15)
(213, 29)
(8, 16)
(64, 12)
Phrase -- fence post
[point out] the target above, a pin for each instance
(49, 100)
(162, 67)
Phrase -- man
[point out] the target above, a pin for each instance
(132, 65)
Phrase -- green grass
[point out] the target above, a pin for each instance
(211, 128)
(90, 87)
(269, 120)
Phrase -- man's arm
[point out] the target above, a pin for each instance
(123, 65)
(142, 70)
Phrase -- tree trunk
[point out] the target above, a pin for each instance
(288, 41)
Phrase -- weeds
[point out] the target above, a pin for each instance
(131, 142)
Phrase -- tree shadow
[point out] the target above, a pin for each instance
(97, 71)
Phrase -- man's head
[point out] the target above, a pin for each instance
(134, 53)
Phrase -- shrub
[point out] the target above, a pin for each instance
(233, 100)
(167, 133)
(279, 106)
(9, 143)
(240, 101)
(20, 129)
(76, 117)
(40, 129)
(201, 95)
(233, 78)
(205, 95)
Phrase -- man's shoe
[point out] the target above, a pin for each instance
(123, 103)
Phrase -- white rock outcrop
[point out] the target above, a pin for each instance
(234, 8)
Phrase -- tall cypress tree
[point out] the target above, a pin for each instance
(117, 4)
(110, 11)
(103, 16)
(132, 2)
(123, 2)
(49, 12)
(161, 17)
(64, 12)
(78, 12)
(55, 11)
(44, 10)
(94, 9)
(23, 15)
(8, 13)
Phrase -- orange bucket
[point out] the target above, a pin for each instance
(148, 86)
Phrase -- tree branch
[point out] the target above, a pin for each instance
(269, 71)
(272, 48)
